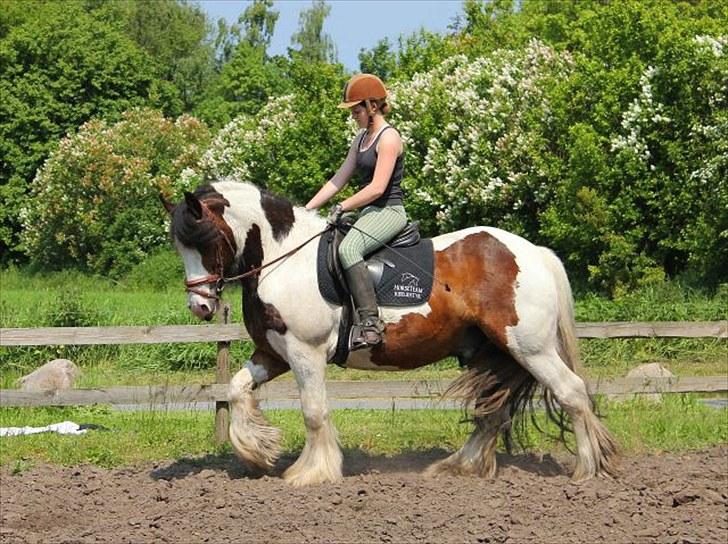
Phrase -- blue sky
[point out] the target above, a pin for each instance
(352, 24)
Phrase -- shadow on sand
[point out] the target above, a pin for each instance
(356, 462)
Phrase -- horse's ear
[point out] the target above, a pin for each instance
(166, 203)
(194, 205)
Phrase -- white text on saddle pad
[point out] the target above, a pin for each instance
(408, 288)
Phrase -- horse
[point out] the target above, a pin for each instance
(500, 304)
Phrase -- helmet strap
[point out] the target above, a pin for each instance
(370, 111)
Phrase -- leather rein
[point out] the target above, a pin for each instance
(220, 281)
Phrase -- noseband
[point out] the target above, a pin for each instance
(191, 286)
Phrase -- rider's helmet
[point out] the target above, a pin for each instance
(363, 88)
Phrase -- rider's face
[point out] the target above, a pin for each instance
(359, 114)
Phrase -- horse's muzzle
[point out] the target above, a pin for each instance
(203, 310)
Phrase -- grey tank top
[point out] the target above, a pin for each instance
(366, 162)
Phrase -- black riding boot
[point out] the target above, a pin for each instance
(370, 328)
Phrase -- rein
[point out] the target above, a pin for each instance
(221, 281)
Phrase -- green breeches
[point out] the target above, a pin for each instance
(374, 228)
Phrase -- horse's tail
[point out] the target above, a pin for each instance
(566, 326)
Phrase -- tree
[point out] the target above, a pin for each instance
(175, 35)
(255, 26)
(380, 60)
(315, 46)
(259, 22)
(95, 202)
(59, 67)
(249, 77)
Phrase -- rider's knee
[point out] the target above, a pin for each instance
(349, 255)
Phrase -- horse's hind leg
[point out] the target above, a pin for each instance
(321, 459)
(253, 439)
(490, 383)
(477, 456)
(596, 449)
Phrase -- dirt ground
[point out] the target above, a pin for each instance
(657, 498)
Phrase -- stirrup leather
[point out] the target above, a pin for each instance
(366, 334)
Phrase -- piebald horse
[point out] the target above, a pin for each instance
(500, 304)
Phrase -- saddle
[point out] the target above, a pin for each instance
(401, 274)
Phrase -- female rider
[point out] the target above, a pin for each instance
(377, 156)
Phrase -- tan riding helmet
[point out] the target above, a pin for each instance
(363, 88)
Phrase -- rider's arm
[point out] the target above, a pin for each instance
(390, 146)
(337, 182)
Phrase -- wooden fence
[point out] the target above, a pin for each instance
(344, 390)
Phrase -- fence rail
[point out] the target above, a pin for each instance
(390, 390)
(10, 337)
(223, 334)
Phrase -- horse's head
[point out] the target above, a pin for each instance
(206, 244)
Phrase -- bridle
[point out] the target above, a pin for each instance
(220, 281)
(191, 286)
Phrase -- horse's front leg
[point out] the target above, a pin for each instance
(321, 459)
(254, 440)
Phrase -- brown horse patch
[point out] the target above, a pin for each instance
(259, 316)
(279, 213)
(481, 274)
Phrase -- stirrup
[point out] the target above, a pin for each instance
(366, 334)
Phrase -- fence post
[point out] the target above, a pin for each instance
(222, 375)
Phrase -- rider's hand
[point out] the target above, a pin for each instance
(335, 215)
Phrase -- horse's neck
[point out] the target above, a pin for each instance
(309, 222)
(306, 224)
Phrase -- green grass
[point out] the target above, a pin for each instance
(678, 423)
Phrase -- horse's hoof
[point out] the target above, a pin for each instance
(456, 467)
(302, 479)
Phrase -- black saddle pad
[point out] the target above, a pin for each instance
(405, 280)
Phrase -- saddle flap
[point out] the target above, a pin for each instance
(402, 276)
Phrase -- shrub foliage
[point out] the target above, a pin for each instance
(95, 201)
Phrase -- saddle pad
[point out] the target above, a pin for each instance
(402, 283)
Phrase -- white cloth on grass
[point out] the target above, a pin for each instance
(65, 427)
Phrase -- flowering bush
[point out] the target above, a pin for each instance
(642, 191)
(474, 131)
(95, 200)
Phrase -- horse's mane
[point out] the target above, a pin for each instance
(188, 229)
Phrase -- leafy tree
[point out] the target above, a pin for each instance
(315, 46)
(380, 60)
(58, 68)
(225, 40)
(415, 53)
(259, 21)
(255, 26)
(250, 77)
(245, 84)
(175, 35)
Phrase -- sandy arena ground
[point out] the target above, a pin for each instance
(657, 498)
